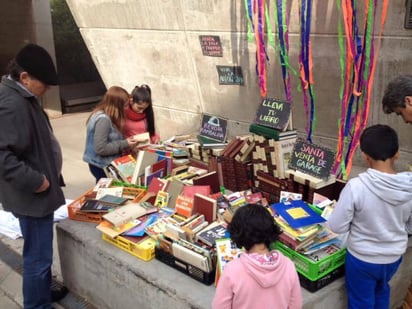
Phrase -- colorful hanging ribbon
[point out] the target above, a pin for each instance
(306, 66)
(357, 77)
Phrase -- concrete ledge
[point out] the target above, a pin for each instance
(111, 278)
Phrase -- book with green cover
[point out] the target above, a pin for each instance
(270, 132)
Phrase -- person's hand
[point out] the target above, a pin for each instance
(44, 186)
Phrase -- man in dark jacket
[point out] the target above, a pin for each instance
(30, 167)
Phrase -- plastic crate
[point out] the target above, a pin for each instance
(141, 248)
(313, 286)
(75, 214)
(184, 267)
(313, 270)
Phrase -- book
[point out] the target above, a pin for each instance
(321, 201)
(213, 232)
(124, 214)
(287, 196)
(297, 213)
(125, 166)
(116, 191)
(144, 159)
(174, 188)
(211, 179)
(95, 206)
(143, 140)
(314, 182)
(270, 132)
(283, 152)
(226, 251)
(190, 191)
(206, 206)
(103, 183)
(112, 231)
(210, 143)
(184, 206)
(112, 200)
(162, 199)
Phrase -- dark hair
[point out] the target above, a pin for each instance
(395, 93)
(143, 93)
(380, 142)
(14, 70)
(253, 224)
(112, 105)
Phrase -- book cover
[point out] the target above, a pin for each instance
(283, 152)
(116, 191)
(206, 206)
(174, 188)
(226, 251)
(213, 232)
(190, 191)
(112, 231)
(103, 183)
(287, 196)
(184, 206)
(162, 199)
(297, 213)
(143, 140)
(144, 159)
(211, 179)
(125, 166)
(95, 206)
(124, 214)
(113, 200)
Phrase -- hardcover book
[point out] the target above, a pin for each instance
(144, 159)
(297, 213)
(95, 206)
(125, 166)
(206, 206)
(213, 232)
(124, 214)
(112, 200)
(211, 179)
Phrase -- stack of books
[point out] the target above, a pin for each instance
(303, 228)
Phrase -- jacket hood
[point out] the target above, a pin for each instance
(265, 275)
(394, 189)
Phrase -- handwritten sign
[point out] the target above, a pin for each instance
(214, 127)
(312, 159)
(273, 113)
(230, 75)
(211, 45)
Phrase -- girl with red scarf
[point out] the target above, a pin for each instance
(139, 117)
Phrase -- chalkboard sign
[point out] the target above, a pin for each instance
(273, 113)
(312, 159)
(211, 45)
(214, 127)
(230, 75)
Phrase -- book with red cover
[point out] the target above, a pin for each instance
(125, 165)
(190, 191)
(206, 206)
(211, 179)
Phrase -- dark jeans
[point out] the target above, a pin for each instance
(37, 260)
(97, 172)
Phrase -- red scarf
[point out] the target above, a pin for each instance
(132, 115)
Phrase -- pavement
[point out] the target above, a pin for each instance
(70, 130)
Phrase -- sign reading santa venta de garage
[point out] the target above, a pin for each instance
(273, 113)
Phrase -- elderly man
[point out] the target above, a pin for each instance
(30, 168)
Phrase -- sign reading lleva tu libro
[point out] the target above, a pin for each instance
(273, 113)
(214, 127)
(312, 159)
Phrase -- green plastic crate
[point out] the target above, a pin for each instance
(313, 270)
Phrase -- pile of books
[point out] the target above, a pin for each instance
(303, 228)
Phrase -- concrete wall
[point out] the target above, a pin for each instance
(23, 22)
(157, 42)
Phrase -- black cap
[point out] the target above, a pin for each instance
(36, 61)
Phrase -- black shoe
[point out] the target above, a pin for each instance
(58, 293)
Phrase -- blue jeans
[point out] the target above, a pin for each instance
(367, 284)
(97, 172)
(37, 260)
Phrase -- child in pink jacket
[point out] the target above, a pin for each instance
(259, 278)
